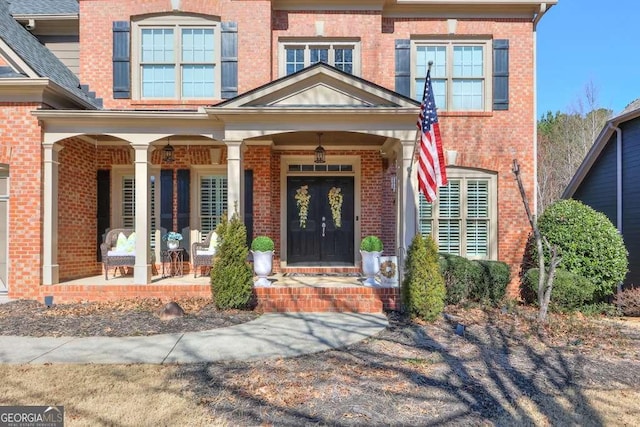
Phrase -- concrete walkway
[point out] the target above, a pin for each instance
(269, 336)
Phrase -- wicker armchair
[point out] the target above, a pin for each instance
(111, 259)
(201, 255)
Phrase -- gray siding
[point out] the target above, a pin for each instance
(598, 189)
(66, 48)
(631, 196)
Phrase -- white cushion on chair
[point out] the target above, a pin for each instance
(205, 252)
(116, 252)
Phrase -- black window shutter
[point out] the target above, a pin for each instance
(166, 200)
(229, 60)
(403, 67)
(248, 204)
(501, 74)
(104, 206)
(184, 210)
(121, 60)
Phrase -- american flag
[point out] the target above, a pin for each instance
(431, 168)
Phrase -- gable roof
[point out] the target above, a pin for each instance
(43, 7)
(38, 58)
(319, 85)
(630, 112)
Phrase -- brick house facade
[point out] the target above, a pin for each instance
(244, 92)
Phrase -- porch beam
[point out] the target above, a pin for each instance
(142, 268)
(235, 178)
(50, 267)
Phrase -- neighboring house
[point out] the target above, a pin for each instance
(607, 180)
(244, 92)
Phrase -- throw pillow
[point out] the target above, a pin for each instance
(131, 243)
(121, 243)
(213, 243)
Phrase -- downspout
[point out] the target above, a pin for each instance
(536, 19)
(619, 191)
(618, 178)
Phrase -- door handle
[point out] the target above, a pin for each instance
(324, 225)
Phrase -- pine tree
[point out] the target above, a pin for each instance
(231, 275)
(423, 288)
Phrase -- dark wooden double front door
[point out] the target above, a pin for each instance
(319, 240)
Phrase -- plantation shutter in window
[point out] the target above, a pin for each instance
(104, 206)
(153, 222)
(449, 218)
(128, 202)
(477, 218)
(501, 74)
(213, 202)
(121, 60)
(426, 216)
(403, 67)
(229, 60)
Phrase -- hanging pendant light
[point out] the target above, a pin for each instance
(168, 152)
(319, 152)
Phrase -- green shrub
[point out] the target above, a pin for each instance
(569, 293)
(496, 276)
(231, 275)
(262, 244)
(460, 276)
(371, 244)
(423, 288)
(600, 309)
(589, 244)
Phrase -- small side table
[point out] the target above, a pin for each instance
(174, 259)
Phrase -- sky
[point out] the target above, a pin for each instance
(588, 41)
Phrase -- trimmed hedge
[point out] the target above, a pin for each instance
(470, 280)
(589, 244)
(570, 292)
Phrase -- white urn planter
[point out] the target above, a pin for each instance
(370, 267)
(262, 265)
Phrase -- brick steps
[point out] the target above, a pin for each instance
(358, 299)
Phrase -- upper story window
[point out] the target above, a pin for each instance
(176, 57)
(459, 73)
(342, 54)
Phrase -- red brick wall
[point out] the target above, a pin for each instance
(96, 41)
(77, 224)
(20, 148)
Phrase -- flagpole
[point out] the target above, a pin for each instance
(413, 156)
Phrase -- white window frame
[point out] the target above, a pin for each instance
(177, 23)
(118, 175)
(449, 44)
(321, 43)
(464, 175)
(199, 172)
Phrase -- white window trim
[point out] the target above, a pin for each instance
(197, 172)
(176, 22)
(118, 173)
(465, 174)
(450, 43)
(318, 42)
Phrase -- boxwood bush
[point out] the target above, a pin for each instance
(470, 280)
(589, 244)
(262, 244)
(570, 292)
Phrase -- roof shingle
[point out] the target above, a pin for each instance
(43, 7)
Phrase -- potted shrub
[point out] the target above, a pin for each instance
(262, 250)
(371, 250)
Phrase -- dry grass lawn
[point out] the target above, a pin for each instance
(98, 395)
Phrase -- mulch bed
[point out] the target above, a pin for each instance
(113, 318)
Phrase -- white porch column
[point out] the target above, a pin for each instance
(142, 268)
(408, 195)
(235, 179)
(50, 267)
